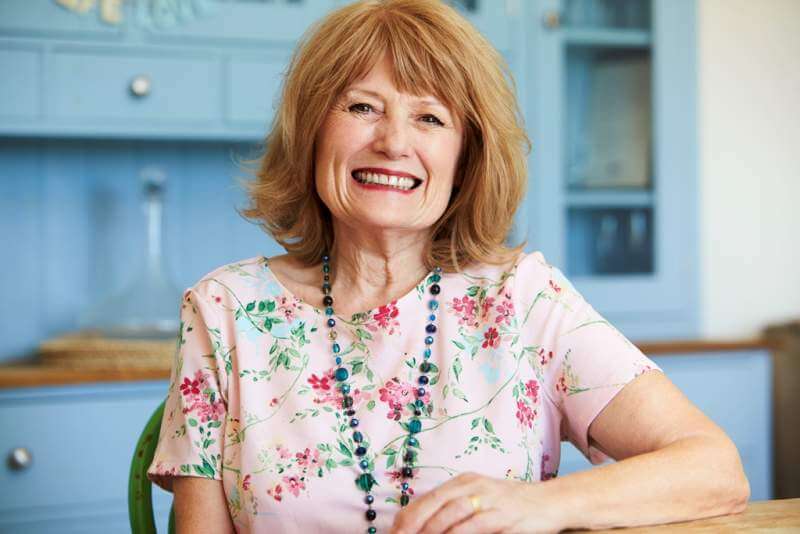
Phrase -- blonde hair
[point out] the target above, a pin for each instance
(433, 50)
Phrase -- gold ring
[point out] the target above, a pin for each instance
(475, 501)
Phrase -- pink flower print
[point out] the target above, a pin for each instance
(190, 387)
(525, 415)
(210, 411)
(294, 485)
(532, 390)
(283, 452)
(276, 492)
(334, 397)
(555, 287)
(321, 383)
(544, 474)
(505, 311)
(217, 299)
(545, 358)
(491, 338)
(307, 458)
(246, 482)
(287, 307)
(465, 309)
(385, 318)
(397, 395)
(561, 385)
(486, 307)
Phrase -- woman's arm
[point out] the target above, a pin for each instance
(200, 506)
(675, 464)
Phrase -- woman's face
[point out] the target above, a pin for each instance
(376, 134)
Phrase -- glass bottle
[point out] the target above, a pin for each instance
(149, 307)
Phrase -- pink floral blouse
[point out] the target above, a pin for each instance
(521, 362)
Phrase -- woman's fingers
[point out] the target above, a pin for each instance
(482, 523)
(452, 513)
(412, 518)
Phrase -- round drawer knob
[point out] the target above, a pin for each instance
(20, 458)
(551, 20)
(140, 86)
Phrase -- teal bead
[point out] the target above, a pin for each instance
(365, 482)
(342, 374)
(328, 311)
(414, 426)
(412, 442)
(436, 278)
(336, 348)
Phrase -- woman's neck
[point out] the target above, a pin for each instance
(371, 268)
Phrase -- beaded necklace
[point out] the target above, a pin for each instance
(366, 480)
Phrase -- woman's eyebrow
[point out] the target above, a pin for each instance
(429, 101)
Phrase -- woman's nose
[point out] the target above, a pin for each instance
(393, 137)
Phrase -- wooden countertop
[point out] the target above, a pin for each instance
(31, 374)
(762, 516)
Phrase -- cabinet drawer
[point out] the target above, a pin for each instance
(19, 91)
(81, 445)
(100, 85)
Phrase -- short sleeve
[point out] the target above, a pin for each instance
(586, 360)
(192, 429)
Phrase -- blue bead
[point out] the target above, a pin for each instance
(423, 380)
(404, 486)
(358, 437)
(414, 426)
(336, 348)
(331, 322)
(328, 311)
(429, 340)
(431, 329)
(421, 392)
(341, 374)
(363, 464)
(437, 269)
(361, 451)
(412, 442)
(325, 258)
(338, 361)
(353, 422)
(433, 305)
(369, 499)
(431, 317)
(345, 388)
(427, 353)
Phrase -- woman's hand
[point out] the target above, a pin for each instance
(474, 503)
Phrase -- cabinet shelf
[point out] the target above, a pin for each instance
(609, 198)
(614, 38)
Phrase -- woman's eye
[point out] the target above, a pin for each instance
(360, 108)
(432, 119)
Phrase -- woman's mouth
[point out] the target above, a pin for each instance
(387, 182)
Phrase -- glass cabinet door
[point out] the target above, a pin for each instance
(607, 76)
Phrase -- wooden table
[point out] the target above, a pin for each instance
(763, 516)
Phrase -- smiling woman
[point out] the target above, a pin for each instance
(434, 397)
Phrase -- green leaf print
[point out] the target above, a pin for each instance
(345, 450)
(457, 368)
(459, 394)
(457, 344)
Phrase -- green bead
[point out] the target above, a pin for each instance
(342, 374)
(365, 482)
(403, 499)
(414, 426)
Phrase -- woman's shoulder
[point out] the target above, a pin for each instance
(234, 277)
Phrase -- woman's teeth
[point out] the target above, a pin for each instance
(398, 182)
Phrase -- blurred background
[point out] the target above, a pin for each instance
(663, 181)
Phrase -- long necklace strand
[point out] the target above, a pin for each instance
(366, 480)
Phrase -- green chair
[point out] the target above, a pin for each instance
(140, 495)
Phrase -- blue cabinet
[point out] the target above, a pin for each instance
(612, 113)
(80, 442)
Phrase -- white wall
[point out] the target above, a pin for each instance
(749, 113)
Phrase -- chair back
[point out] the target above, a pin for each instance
(140, 490)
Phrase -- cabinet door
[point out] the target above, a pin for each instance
(735, 391)
(613, 174)
(80, 441)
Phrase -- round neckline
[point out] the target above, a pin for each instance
(319, 311)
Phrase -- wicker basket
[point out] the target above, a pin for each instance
(90, 350)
